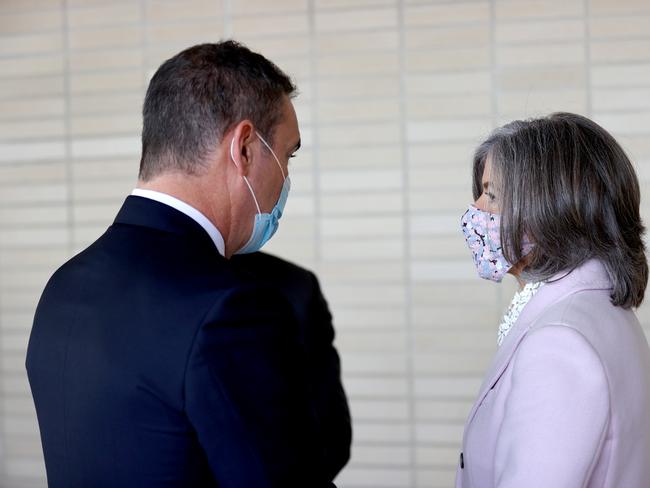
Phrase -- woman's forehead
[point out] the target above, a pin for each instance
(487, 172)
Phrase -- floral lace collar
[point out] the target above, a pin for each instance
(518, 303)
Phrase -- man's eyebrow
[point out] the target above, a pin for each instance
(296, 146)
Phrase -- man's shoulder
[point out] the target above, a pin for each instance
(263, 263)
(169, 269)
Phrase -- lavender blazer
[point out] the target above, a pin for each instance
(566, 401)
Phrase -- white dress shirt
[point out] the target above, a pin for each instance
(188, 210)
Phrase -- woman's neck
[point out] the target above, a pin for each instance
(516, 271)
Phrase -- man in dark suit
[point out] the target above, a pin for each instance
(327, 396)
(153, 360)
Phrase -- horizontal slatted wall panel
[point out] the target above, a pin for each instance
(394, 96)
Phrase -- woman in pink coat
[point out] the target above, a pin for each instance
(566, 401)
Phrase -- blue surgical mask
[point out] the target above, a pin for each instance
(266, 224)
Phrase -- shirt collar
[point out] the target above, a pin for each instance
(188, 210)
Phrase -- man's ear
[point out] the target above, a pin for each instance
(240, 146)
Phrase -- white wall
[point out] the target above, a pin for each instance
(395, 96)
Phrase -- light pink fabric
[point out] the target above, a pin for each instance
(566, 401)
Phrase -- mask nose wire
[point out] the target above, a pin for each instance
(232, 156)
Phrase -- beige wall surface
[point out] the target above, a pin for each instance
(394, 97)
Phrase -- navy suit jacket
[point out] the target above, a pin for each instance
(328, 399)
(154, 362)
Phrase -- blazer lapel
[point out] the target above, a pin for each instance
(591, 275)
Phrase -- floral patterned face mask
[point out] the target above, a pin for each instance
(483, 235)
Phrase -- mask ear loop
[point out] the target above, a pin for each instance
(273, 153)
(232, 156)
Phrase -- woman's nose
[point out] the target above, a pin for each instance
(481, 203)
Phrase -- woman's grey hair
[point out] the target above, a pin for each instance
(564, 182)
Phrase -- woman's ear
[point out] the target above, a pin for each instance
(241, 151)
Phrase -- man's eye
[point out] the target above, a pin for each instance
(292, 155)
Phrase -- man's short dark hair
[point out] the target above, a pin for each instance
(565, 183)
(195, 97)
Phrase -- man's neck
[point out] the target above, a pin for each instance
(190, 191)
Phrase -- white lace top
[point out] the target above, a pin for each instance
(518, 303)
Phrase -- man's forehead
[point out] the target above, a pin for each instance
(288, 127)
